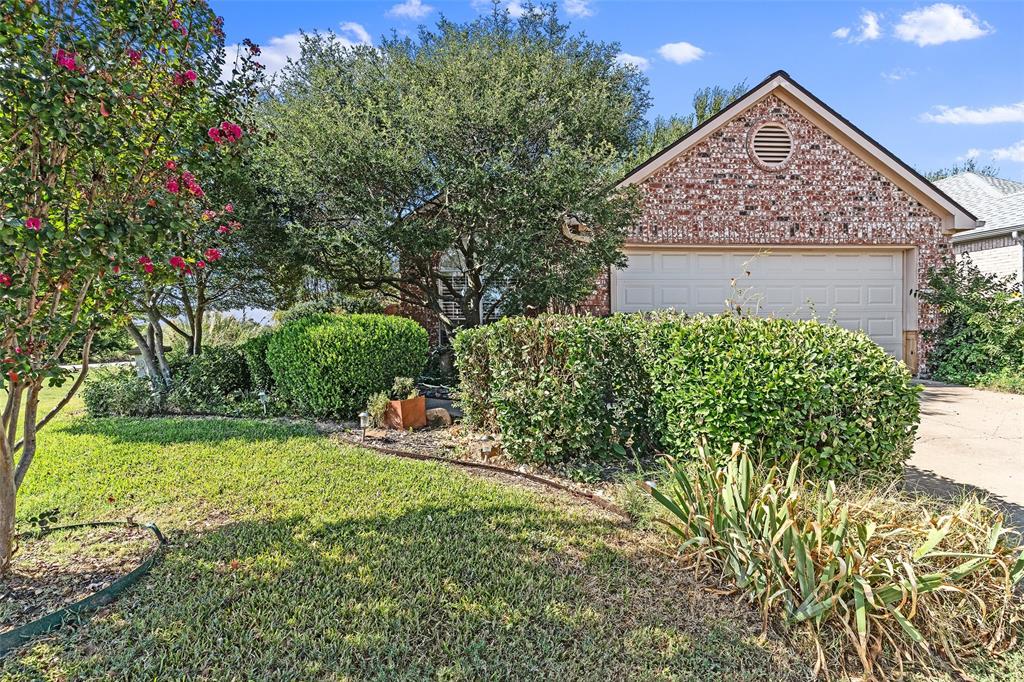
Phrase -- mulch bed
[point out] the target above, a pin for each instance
(460, 444)
(54, 571)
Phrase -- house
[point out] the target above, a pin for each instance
(780, 205)
(997, 247)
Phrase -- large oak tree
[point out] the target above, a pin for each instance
(476, 161)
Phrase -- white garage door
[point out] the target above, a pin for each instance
(859, 290)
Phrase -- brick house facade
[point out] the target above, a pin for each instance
(836, 189)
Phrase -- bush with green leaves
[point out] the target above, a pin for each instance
(210, 382)
(783, 388)
(567, 387)
(333, 304)
(330, 365)
(255, 352)
(981, 335)
(119, 392)
(558, 387)
(867, 571)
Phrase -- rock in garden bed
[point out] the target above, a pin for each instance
(54, 571)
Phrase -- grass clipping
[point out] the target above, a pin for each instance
(870, 571)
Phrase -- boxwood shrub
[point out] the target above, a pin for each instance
(782, 388)
(255, 352)
(329, 365)
(560, 387)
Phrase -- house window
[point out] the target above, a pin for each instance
(452, 271)
(771, 145)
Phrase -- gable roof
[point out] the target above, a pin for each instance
(892, 166)
(998, 201)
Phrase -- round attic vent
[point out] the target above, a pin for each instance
(772, 144)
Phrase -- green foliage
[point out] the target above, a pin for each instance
(407, 119)
(329, 365)
(255, 352)
(377, 407)
(118, 392)
(982, 327)
(663, 132)
(404, 388)
(881, 571)
(565, 387)
(968, 166)
(783, 389)
(209, 382)
(558, 387)
(1005, 379)
(336, 303)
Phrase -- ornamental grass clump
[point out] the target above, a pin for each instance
(874, 576)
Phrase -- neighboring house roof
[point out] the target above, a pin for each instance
(780, 83)
(997, 201)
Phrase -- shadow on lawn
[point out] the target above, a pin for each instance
(501, 591)
(170, 430)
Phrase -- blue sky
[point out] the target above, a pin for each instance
(933, 82)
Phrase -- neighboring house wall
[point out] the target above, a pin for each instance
(999, 256)
(714, 194)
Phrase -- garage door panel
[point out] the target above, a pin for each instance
(859, 290)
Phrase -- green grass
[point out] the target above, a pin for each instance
(294, 558)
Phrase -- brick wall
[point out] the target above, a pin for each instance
(1001, 257)
(824, 195)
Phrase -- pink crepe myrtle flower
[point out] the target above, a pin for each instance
(200, 264)
(66, 59)
(213, 255)
(209, 215)
(172, 186)
(177, 262)
(117, 269)
(5, 279)
(147, 263)
(34, 224)
(214, 135)
(134, 56)
(170, 165)
(234, 225)
(191, 76)
(229, 208)
(176, 24)
(223, 229)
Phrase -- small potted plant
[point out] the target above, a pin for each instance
(406, 408)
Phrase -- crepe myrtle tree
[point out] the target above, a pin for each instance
(176, 288)
(97, 95)
(475, 162)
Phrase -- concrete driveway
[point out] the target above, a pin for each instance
(970, 438)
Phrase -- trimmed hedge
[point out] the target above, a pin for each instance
(557, 387)
(119, 392)
(255, 352)
(564, 387)
(782, 388)
(330, 365)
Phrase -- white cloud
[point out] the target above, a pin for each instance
(639, 62)
(1007, 113)
(1015, 152)
(898, 74)
(411, 9)
(680, 53)
(275, 53)
(578, 8)
(515, 9)
(356, 30)
(870, 29)
(940, 23)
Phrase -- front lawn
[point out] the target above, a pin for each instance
(294, 558)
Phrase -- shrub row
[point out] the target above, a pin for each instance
(560, 387)
(321, 366)
(330, 365)
(557, 387)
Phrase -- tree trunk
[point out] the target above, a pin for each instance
(8, 495)
(28, 438)
(147, 355)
